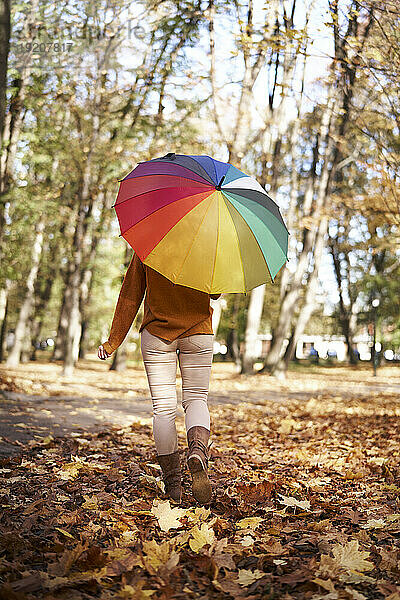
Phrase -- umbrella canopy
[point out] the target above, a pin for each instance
(202, 223)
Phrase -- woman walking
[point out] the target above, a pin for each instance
(177, 325)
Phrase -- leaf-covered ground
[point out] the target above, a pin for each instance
(306, 484)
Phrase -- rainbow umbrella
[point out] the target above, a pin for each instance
(202, 223)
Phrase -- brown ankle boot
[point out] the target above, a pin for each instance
(197, 460)
(171, 471)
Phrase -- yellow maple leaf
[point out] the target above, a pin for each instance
(157, 554)
(69, 471)
(249, 522)
(128, 592)
(201, 537)
(198, 514)
(351, 558)
(247, 577)
(167, 517)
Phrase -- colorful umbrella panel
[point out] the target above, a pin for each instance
(202, 223)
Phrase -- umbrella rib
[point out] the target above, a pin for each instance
(216, 246)
(203, 173)
(238, 243)
(215, 169)
(236, 198)
(255, 239)
(261, 199)
(159, 208)
(168, 175)
(155, 190)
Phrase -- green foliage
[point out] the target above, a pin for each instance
(234, 316)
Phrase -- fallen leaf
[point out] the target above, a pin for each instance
(289, 501)
(350, 557)
(128, 537)
(68, 558)
(247, 577)
(247, 540)
(201, 537)
(374, 524)
(255, 492)
(156, 554)
(124, 560)
(167, 517)
(128, 592)
(66, 533)
(355, 594)
(327, 584)
(90, 502)
(249, 522)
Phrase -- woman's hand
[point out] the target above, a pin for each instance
(102, 353)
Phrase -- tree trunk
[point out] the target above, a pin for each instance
(293, 291)
(3, 330)
(83, 338)
(232, 337)
(347, 316)
(352, 332)
(340, 91)
(217, 311)
(61, 337)
(26, 347)
(87, 273)
(119, 359)
(120, 355)
(5, 32)
(254, 315)
(308, 305)
(273, 134)
(12, 122)
(14, 356)
(3, 299)
(85, 293)
(73, 330)
(43, 297)
(254, 53)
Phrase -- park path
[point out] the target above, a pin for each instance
(25, 417)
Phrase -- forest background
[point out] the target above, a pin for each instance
(301, 94)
